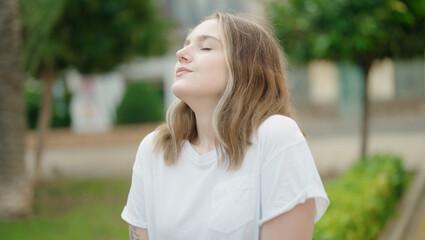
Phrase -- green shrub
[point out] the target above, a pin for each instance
(362, 200)
(32, 97)
(33, 93)
(61, 116)
(142, 102)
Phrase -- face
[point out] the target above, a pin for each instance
(201, 72)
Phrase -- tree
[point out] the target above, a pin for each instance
(15, 190)
(359, 31)
(92, 36)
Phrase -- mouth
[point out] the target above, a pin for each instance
(180, 71)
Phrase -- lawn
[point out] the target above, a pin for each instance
(73, 209)
(79, 210)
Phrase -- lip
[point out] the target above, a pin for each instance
(182, 70)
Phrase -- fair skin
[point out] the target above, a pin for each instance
(297, 224)
(200, 78)
(203, 82)
(136, 233)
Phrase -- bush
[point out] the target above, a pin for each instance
(142, 102)
(32, 97)
(61, 116)
(362, 200)
(33, 92)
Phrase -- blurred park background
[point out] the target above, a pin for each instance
(83, 81)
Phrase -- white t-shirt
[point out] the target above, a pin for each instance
(198, 199)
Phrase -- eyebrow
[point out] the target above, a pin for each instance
(202, 38)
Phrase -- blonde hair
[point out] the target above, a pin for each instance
(256, 89)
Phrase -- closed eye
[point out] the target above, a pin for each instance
(205, 49)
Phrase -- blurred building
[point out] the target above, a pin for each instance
(321, 89)
(185, 14)
(188, 13)
(328, 89)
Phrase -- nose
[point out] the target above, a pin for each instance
(183, 56)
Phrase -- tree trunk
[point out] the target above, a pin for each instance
(48, 77)
(15, 189)
(365, 117)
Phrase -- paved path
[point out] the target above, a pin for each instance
(417, 229)
(335, 146)
(410, 212)
(89, 155)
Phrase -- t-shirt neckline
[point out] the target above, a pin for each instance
(200, 159)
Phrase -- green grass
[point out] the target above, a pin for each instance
(71, 209)
(79, 210)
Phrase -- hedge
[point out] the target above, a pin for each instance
(362, 199)
(33, 91)
(142, 102)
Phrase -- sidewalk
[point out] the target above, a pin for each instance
(415, 228)
(103, 155)
(334, 145)
(409, 220)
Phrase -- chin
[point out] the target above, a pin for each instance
(180, 91)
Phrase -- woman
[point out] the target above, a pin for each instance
(230, 163)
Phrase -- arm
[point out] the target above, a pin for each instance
(297, 224)
(136, 233)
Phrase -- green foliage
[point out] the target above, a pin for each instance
(70, 209)
(142, 102)
(61, 116)
(359, 31)
(100, 34)
(61, 103)
(362, 200)
(93, 36)
(33, 98)
(39, 18)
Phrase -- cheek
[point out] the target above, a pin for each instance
(223, 73)
(219, 72)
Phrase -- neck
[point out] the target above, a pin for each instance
(205, 141)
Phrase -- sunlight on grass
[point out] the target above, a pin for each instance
(71, 209)
(81, 209)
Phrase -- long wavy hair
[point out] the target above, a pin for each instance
(256, 89)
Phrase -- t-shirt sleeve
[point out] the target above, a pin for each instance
(288, 173)
(134, 212)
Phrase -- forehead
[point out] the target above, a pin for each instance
(208, 27)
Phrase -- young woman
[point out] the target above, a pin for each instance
(229, 163)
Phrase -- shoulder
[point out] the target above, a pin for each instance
(281, 129)
(148, 140)
(147, 145)
(145, 152)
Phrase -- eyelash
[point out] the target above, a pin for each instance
(206, 49)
